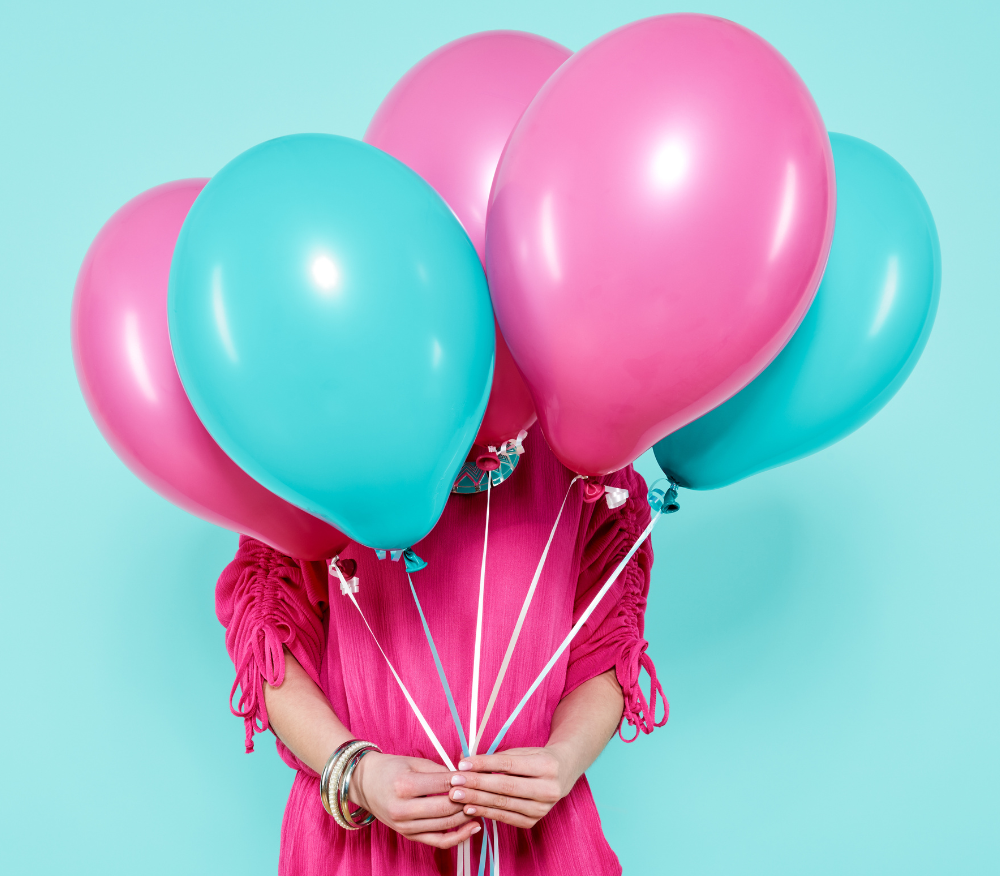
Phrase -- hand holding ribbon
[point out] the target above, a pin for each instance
(408, 794)
(516, 787)
(519, 786)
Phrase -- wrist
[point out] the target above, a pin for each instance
(568, 770)
(356, 792)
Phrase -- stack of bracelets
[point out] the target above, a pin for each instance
(337, 776)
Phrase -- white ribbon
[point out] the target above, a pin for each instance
(346, 590)
(572, 633)
(352, 584)
(465, 848)
(496, 851)
(479, 629)
(615, 496)
(559, 651)
(518, 443)
(511, 445)
(474, 740)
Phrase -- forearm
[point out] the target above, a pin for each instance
(583, 724)
(302, 718)
(409, 794)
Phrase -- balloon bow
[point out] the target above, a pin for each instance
(345, 571)
(472, 479)
(515, 445)
(410, 559)
(663, 500)
(615, 496)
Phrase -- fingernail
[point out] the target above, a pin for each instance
(470, 810)
(457, 795)
(465, 764)
(458, 780)
(476, 828)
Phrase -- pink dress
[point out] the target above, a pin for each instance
(266, 600)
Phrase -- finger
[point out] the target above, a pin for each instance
(515, 819)
(533, 808)
(416, 784)
(545, 790)
(447, 840)
(508, 762)
(422, 807)
(433, 825)
(422, 765)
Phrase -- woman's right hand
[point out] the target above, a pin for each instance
(410, 795)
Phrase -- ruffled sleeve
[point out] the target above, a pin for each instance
(267, 601)
(613, 635)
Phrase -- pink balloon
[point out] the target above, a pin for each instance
(448, 119)
(658, 226)
(126, 371)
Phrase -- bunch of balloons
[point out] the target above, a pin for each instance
(305, 348)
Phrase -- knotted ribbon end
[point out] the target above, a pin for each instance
(344, 571)
(664, 500)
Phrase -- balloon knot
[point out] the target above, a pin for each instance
(592, 492)
(412, 561)
(488, 461)
(663, 500)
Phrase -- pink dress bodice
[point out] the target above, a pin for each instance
(267, 601)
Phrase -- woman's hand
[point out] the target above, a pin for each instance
(409, 794)
(517, 786)
(521, 785)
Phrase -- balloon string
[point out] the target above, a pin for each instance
(409, 699)
(479, 625)
(484, 850)
(490, 848)
(465, 848)
(494, 851)
(520, 620)
(440, 670)
(572, 633)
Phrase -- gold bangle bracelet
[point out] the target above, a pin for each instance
(344, 789)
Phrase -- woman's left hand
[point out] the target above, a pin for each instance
(520, 785)
(517, 786)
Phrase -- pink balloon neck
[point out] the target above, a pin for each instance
(592, 492)
(488, 461)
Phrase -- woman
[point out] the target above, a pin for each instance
(309, 670)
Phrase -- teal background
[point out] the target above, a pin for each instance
(826, 631)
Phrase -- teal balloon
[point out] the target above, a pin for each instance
(859, 341)
(332, 326)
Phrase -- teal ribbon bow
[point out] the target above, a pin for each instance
(663, 499)
(412, 561)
